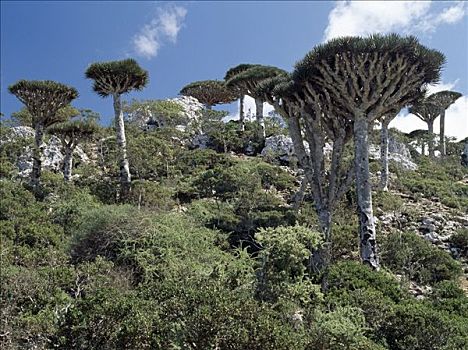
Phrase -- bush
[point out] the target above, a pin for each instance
(284, 268)
(343, 328)
(416, 326)
(350, 276)
(151, 195)
(417, 259)
(448, 296)
(459, 240)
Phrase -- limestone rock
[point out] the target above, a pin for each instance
(397, 152)
(52, 157)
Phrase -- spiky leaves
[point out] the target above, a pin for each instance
(210, 92)
(249, 77)
(117, 77)
(371, 75)
(43, 99)
(71, 132)
(444, 99)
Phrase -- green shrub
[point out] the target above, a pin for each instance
(151, 195)
(343, 328)
(417, 326)
(284, 263)
(459, 240)
(350, 275)
(448, 296)
(417, 259)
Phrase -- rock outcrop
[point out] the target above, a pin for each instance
(397, 152)
(52, 157)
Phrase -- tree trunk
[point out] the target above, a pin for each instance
(37, 155)
(125, 178)
(68, 163)
(430, 127)
(367, 234)
(260, 119)
(423, 148)
(241, 114)
(384, 155)
(299, 196)
(442, 133)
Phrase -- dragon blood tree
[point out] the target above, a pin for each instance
(367, 78)
(114, 79)
(312, 117)
(428, 112)
(384, 172)
(210, 92)
(70, 134)
(443, 100)
(240, 90)
(247, 78)
(43, 99)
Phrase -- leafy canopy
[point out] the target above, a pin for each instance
(117, 77)
(43, 98)
(210, 92)
(387, 47)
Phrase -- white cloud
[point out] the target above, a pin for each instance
(165, 26)
(456, 116)
(368, 17)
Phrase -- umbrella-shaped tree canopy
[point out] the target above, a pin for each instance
(43, 99)
(210, 92)
(117, 77)
(372, 75)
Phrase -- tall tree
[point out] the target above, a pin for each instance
(384, 173)
(428, 112)
(367, 78)
(70, 134)
(311, 117)
(241, 91)
(443, 100)
(115, 78)
(421, 138)
(210, 92)
(247, 78)
(43, 99)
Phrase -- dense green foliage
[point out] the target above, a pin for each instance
(210, 249)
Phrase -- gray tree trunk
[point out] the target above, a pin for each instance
(241, 114)
(367, 234)
(125, 178)
(260, 118)
(430, 127)
(299, 196)
(442, 133)
(37, 155)
(384, 155)
(68, 163)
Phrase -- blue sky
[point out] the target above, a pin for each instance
(179, 42)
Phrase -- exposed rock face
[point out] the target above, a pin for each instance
(146, 119)
(52, 157)
(397, 151)
(190, 105)
(281, 148)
